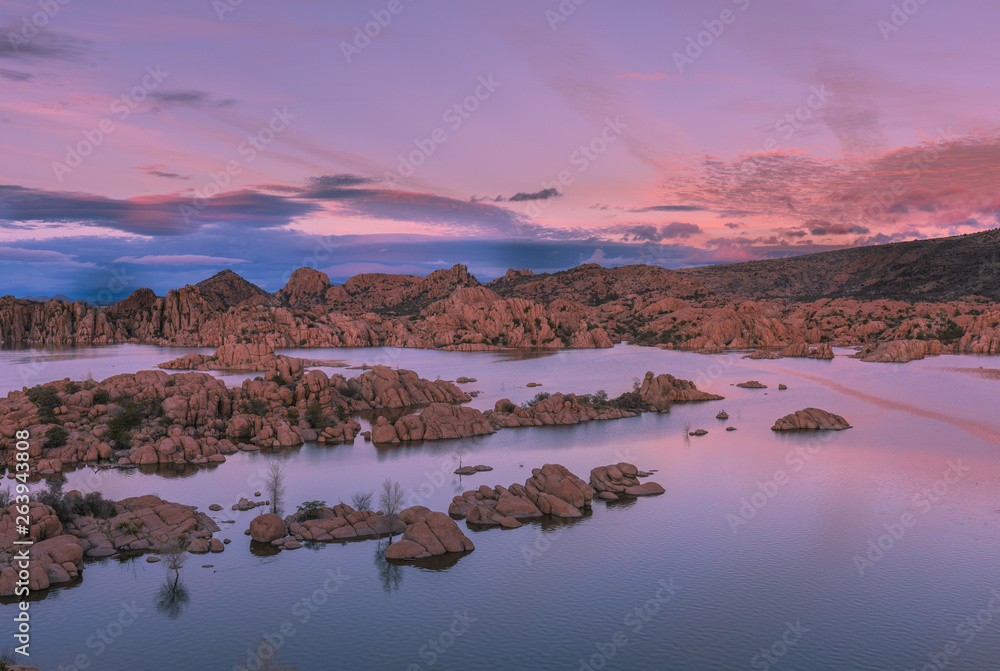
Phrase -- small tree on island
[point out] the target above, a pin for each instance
(460, 454)
(274, 484)
(391, 503)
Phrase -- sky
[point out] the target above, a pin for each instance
(153, 144)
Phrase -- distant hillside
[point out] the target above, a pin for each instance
(937, 269)
(226, 289)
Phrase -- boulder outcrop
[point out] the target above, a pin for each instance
(661, 391)
(902, 351)
(811, 419)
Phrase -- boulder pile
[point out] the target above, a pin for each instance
(811, 419)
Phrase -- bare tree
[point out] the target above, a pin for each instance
(175, 554)
(460, 454)
(391, 502)
(362, 500)
(274, 484)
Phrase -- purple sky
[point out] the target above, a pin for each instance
(266, 139)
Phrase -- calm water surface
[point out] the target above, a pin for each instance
(550, 595)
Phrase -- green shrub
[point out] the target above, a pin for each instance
(343, 413)
(47, 400)
(314, 415)
(630, 400)
(310, 510)
(56, 436)
(72, 388)
(539, 397)
(254, 406)
(101, 396)
(293, 416)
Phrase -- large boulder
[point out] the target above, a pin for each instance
(267, 527)
(811, 419)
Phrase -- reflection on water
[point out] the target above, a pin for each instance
(172, 597)
(546, 593)
(390, 573)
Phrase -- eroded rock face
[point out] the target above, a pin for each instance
(438, 421)
(588, 306)
(751, 384)
(140, 524)
(805, 350)
(195, 418)
(901, 351)
(621, 480)
(342, 522)
(811, 419)
(428, 534)
(267, 527)
(660, 391)
(557, 410)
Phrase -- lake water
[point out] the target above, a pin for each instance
(678, 581)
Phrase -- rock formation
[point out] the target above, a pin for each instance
(660, 391)
(151, 417)
(901, 351)
(811, 419)
(428, 534)
(617, 480)
(137, 524)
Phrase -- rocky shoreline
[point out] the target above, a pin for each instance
(585, 307)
